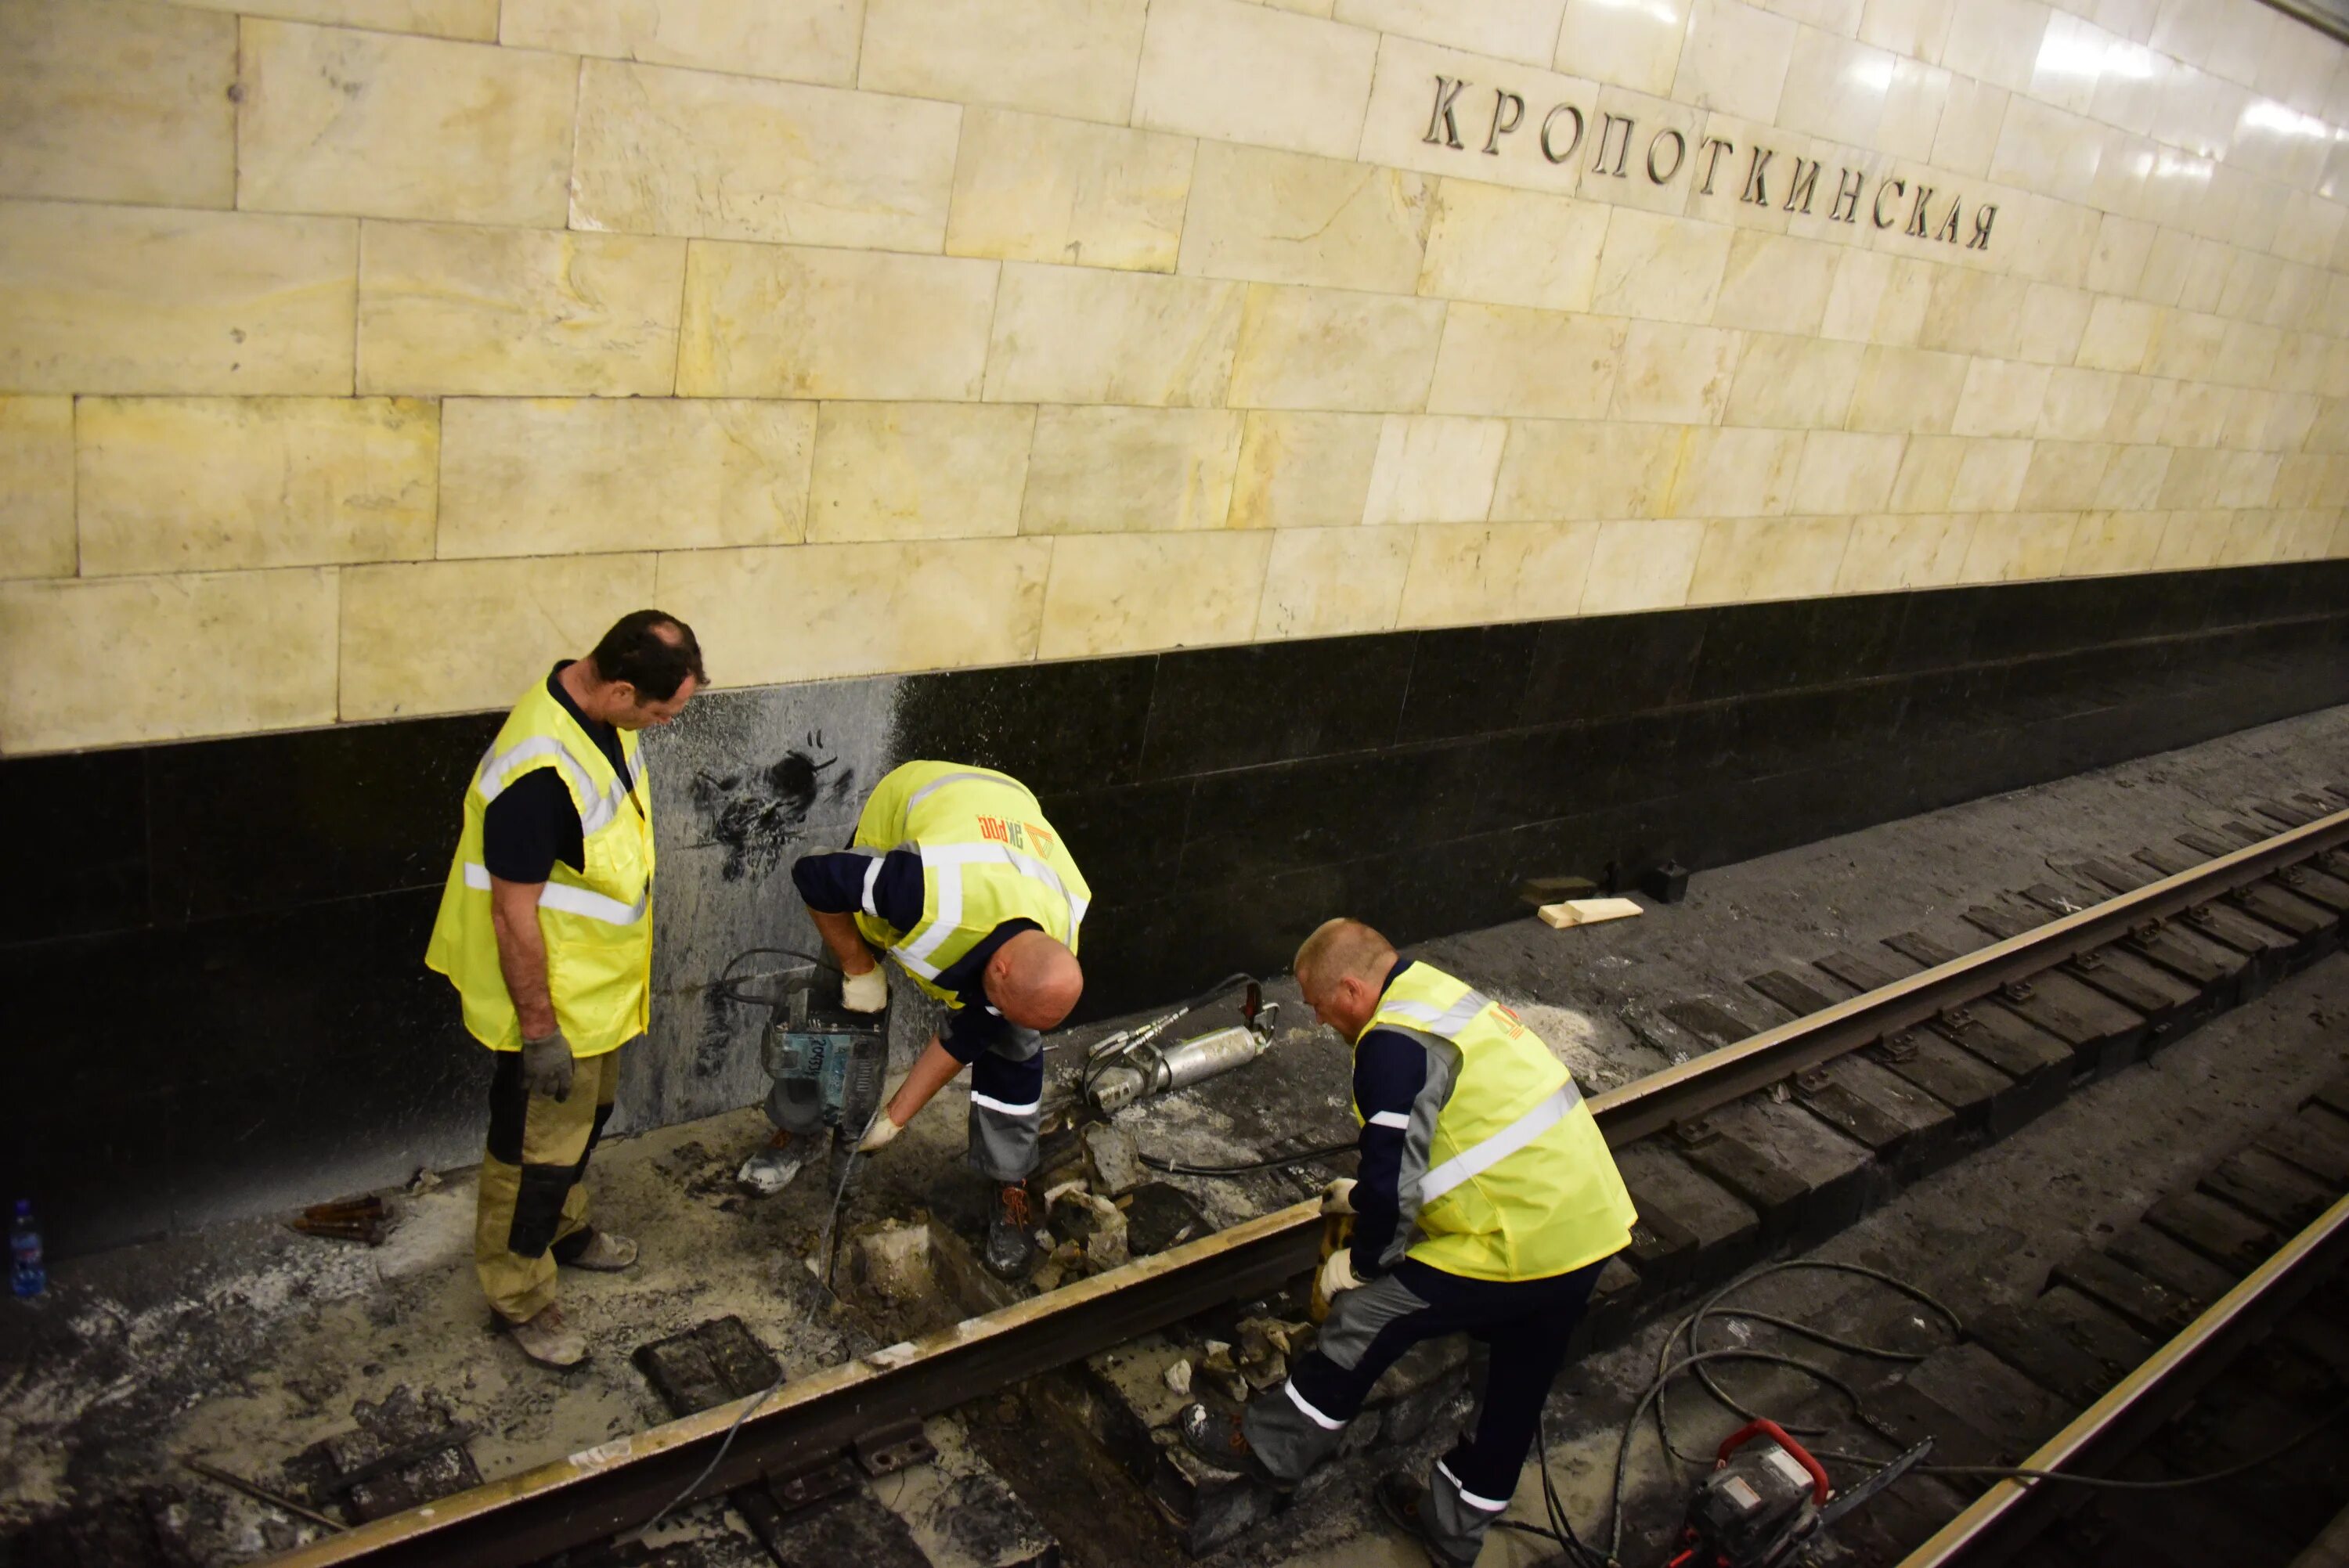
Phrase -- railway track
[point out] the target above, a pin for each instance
(1937, 1050)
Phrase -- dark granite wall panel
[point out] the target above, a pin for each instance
(219, 1002)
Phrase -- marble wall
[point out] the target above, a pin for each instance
(356, 355)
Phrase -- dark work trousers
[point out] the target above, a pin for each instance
(1524, 1324)
(1007, 1106)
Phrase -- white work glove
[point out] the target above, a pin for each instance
(1338, 1274)
(546, 1067)
(879, 1135)
(1338, 1197)
(866, 993)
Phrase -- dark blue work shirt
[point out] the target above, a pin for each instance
(848, 882)
(1390, 1069)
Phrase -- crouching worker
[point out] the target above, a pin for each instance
(955, 872)
(1485, 1204)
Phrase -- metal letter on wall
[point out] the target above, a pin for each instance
(1917, 213)
(1680, 155)
(1755, 192)
(1984, 216)
(1622, 149)
(1516, 107)
(1806, 183)
(1447, 93)
(1846, 203)
(1554, 153)
(1716, 146)
(1876, 215)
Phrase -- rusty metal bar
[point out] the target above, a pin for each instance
(618, 1485)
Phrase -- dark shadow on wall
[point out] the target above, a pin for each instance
(219, 1007)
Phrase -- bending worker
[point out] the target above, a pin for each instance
(545, 929)
(955, 872)
(1485, 1204)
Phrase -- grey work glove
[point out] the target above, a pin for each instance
(546, 1067)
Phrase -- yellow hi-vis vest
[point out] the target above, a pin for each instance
(597, 922)
(1504, 1174)
(988, 856)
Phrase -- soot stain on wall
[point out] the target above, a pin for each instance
(758, 815)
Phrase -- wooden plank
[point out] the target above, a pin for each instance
(2269, 1188)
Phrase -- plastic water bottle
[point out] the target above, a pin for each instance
(26, 1275)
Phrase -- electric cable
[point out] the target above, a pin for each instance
(724, 985)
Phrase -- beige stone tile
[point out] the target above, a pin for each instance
(1560, 470)
(2132, 481)
(1322, 349)
(1856, 295)
(1275, 217)
(2065, 476)
(1664, 269)
(115, 102)
(2305, 479)
(1503, 359)
(2119, 333)
(1733, 473)
(220, 484)
(667, 151)
(2166, 262)
(1122, 593)
(2079, 405)
(1989, 476)
(1909, 390)
(784, 321)
(791, 40)
(1835, 87)
(1526, 117)
(1054, 56)
(1913, 28)
(1794, 383)
(1131, 470)
(36, 486)
(2111, 541)
(379, 125)
(1996, 41)
(1636, 46)
(1071, 334)
(1642, 564)
(1434, 469)
(2002, 397)
(1242, 73)
(1972, 120)
(1305, 471)
(1747, 559)
(1734, 59)
(2198, 415)
(460, 310)
(1476, 573)
(815, 611)
(1845, 472)
(1680, 375)
(126, 299)
(1975, 313)
(2013, 547)
(1029, 188)
(2053, 322)
(919, 470)
(2184, 346)
(2118, 263)
(483, 653)
(1499, 246)
(2192, 539)
(1640, 152)
(584, 476)
(165, 658)
(2255, 538)
(1930, 466)
(2140, 410)
(1324, 582)
(1886, 552)
(475, 19)
(1774, 282)
(1523, 30)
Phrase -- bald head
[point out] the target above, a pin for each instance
(1034, 981)
(1342, 969)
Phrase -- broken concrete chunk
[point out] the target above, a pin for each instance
(1110, 1155)
(1178, 1376)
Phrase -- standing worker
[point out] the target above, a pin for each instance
(545, 929)
(955, 872)
(1485, 1204)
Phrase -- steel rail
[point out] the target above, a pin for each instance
(616, 1486)
(1997, 1523)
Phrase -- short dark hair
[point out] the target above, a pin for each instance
(651, 650)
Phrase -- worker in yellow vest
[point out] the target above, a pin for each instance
(956, 874)
(1485, 1202)
(546, 930)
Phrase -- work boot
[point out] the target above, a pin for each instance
(1402, 1498)
(771, 1169)
(604, 1253)
(549, 1341)
(1010, 1231)
(1222, 1442)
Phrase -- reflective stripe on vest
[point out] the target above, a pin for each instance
(943, 865)
(599, 806)
(1482, 1157)
(571, 900)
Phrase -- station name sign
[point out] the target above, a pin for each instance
(1494, 122)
